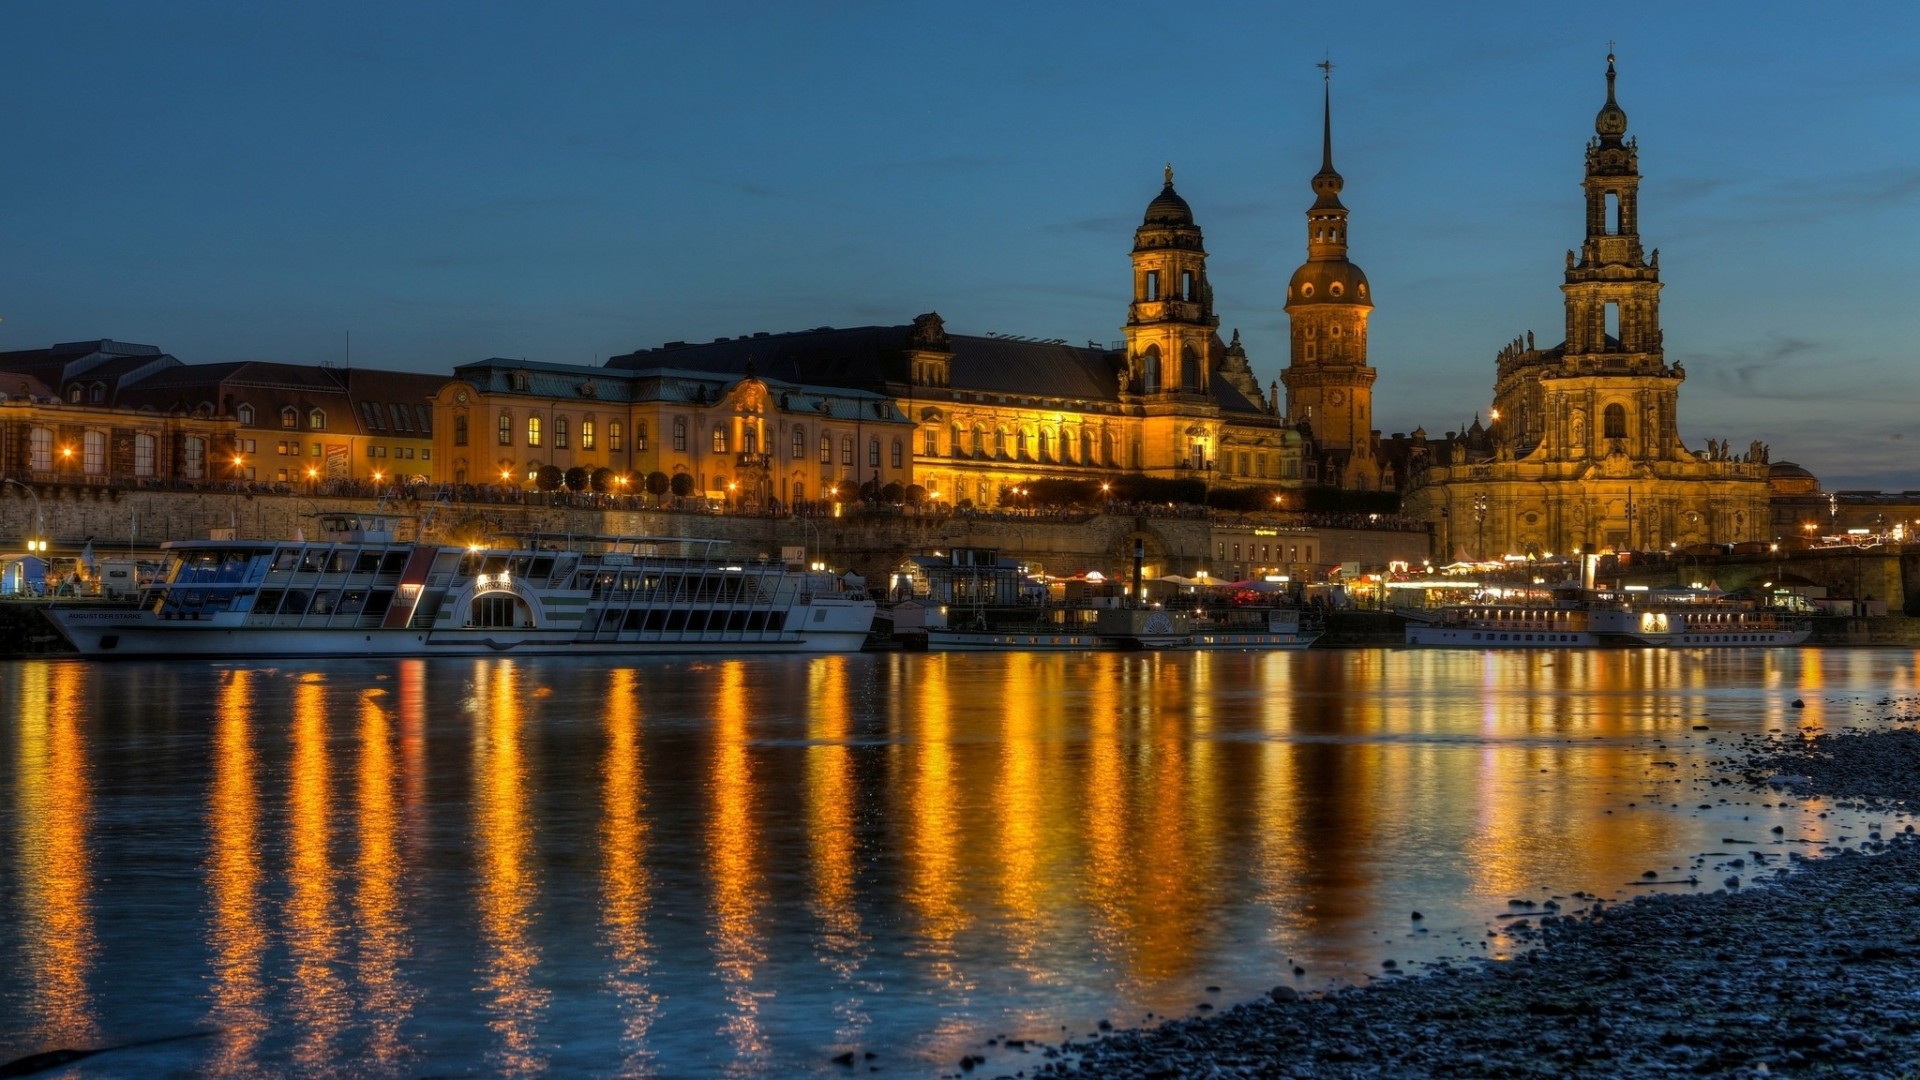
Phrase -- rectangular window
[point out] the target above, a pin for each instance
(93, 458)
(559, 433)
(586, 434)
(533, 431)
(873, 453)
(679, 435)
(799, 443)
(931, 448)
(846, 449)
(826, 449)
(898, 450)
(719, 440)
(506, 429)
(639, 435)
(143, 454)
(460, 430)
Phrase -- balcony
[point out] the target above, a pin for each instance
(752, 461)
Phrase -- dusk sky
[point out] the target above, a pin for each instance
(449, 182)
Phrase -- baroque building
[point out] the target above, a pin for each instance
(1329, 385)
(1584, 452)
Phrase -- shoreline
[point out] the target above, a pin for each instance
(1816, 969)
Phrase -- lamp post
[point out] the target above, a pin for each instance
(37, 539)
(1480, 527)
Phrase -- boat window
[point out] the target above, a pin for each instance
(676, 621)
(393, 562)
(378, 601)
(295, 603)
(494, 610)
(776, 621)
(367, 563)
(267, 602)
(541, 568)
(493, 564)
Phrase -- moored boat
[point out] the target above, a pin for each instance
(358, 592)
(1607, 618)
(1253, 628)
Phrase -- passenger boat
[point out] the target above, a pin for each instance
(1608, 619)
(1067, 628)
(1253, 628)
(359, 593)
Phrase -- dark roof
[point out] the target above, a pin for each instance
(874, 358)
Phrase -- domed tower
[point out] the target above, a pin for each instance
(1329, 385)
(1170, 324)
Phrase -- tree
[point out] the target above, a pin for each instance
(893, 493)
(657, 484)
(549, 478)
(602, 480)
(682, 484)
(577, 479)
(915, 494)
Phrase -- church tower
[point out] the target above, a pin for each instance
(1329, 385)
(1170, 324)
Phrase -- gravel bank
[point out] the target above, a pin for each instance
(1811, 973)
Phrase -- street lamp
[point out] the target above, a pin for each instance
(37, 539)
(1480, 526)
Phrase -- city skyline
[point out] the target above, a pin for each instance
(444, 184)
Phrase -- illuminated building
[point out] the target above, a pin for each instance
(1584, 453)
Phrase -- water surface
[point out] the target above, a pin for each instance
(593, 867)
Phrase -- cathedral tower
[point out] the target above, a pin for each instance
(1329, 385)
(1170, 324)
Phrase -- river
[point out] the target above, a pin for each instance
(747, 867)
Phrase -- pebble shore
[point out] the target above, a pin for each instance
(1809, 973)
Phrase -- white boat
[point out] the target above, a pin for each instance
(1606, 620)
(1252, 628)
(360, 593)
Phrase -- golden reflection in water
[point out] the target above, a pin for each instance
(932, 827)
(237, 933)
(1168, 829)
(1108, 805)
(508, 888)
(54, 810)
(318, 997)
(1571, 745)
(384, 947)
(734, 855)
(626, 884)
(1034, 812)
(832, 797)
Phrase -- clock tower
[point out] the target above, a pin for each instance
(1329, 385)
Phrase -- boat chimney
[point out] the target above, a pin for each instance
(1139, 560)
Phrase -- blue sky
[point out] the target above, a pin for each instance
(445, 182)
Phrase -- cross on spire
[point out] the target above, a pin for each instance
(1326, 68)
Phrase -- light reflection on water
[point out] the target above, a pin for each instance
(517, 867)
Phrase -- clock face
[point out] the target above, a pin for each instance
(1335, 397)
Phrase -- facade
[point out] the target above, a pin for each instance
(1584, 453)
(314, 427)
(1329, 385)
(739, 441)
(992, 413)
(68, 416)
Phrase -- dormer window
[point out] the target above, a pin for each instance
(316, 420)
(244, 414)
(97, 394)
(73, 394)
(289, 418)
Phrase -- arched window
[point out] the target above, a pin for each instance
(719, 438)
(899, 454)
(826, 449)
(506, 429)
(979, 441)
(1086, 447)
(749, 441)
(680, 434)
(460, 430)
(316, 420)
(999, 442)
(144, 455)
(533, 431)
(1150, 288)
(1189, 369)
(93, 453)
(1615, 421)
(1150, 370)
(560, 432)
(799, 444)
(40, 449)
(1186, 286)
(614, 435)
(73, 394)
(846, 449)
(873, 453)
(1020, 444)
(586, 434)
(193, 458)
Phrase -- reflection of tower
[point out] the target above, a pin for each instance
(1171, 321)
(1329, 385)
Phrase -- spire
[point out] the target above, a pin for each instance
(1611, 123)
(1327, 183)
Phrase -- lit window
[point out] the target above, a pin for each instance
(316, 420)
(506, 429)
(533, 431)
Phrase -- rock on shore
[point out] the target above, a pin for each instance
(1813, 973)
